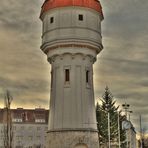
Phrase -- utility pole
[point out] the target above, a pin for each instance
(119, 129)
(129, 115)
(108, 129)
(126, 107)
(108, 119)
(129, 118)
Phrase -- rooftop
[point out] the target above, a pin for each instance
(92, 4)
(20, 115)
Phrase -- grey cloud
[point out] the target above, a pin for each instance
(14, 13)
(21, 17)
(24, 86)
(31, 102)
(144, 83)
(122, 65)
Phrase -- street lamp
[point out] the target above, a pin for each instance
(126, 108)
(130, 122)
(129, 114)
(108, 116)
(108, 129)
(118, 113)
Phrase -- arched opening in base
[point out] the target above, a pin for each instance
(81, 146)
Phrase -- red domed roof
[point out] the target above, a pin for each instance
(50, 4)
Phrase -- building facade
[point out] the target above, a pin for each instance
(131, 140)
(71, 39)
(29, 127)
(132, 137)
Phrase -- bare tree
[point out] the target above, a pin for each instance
(8, 128)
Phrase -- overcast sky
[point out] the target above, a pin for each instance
(122, 65)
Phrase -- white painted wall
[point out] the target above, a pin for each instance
(26, 135)
(72, 104)
(67, 28)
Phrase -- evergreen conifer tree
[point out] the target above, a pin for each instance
(108, 106)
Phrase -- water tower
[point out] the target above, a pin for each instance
(71, 39)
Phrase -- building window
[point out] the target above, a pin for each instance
(38, 128)
(80, 17)
(87, 76)
(30, 138)
(67, 75)
(51, 20)
(46, 128)
(14, 128)
(38, 137)
(30, 127)
(40, 120)
(17, 120)
(22, 127)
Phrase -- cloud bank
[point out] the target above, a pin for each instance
(122, 65)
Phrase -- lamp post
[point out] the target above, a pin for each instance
(119, 129)
(108, 129)
(126, 107)
(130, 130)
(108, 118)
(129, 114)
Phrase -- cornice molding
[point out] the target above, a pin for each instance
(46, 50)
(73, 56)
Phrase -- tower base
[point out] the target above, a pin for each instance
(72, 139)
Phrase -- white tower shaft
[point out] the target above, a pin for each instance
(72, 95)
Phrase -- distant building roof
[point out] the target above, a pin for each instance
(21, 115)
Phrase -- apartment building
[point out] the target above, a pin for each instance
(29, 127)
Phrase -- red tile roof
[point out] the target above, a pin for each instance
(51, 4)
(26, 115)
